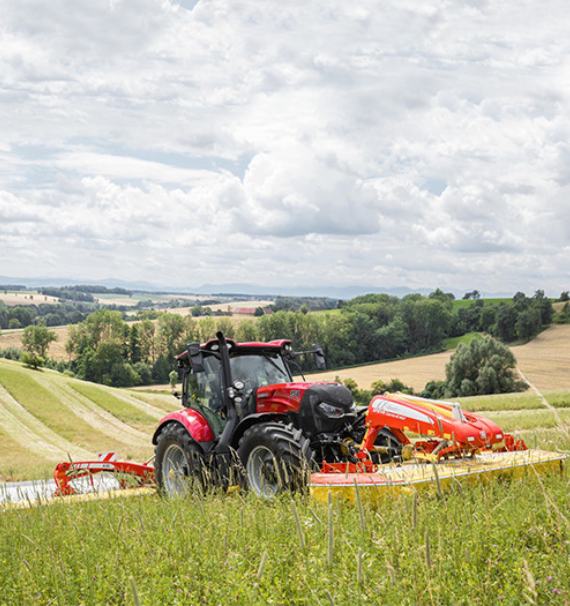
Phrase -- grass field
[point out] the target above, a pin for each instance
(46, 417)
(502, 543)
(465, 339)
(505, 543)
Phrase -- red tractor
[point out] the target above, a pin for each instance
(246, 419)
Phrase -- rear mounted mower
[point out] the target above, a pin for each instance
(246, 421)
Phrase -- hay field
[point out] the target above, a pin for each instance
(187, 311)
(415, 372)
(233, 305)
(26, 297)
(545, 361)
(13, 338)
(45, 417)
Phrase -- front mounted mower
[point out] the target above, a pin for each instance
(246, 421)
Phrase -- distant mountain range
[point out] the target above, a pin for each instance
(335, 292)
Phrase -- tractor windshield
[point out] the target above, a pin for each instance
(255, 370)
(259, 369)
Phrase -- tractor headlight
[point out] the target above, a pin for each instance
(331, 411)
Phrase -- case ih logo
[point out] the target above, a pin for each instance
(295, 393)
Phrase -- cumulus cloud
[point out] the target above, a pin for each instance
(182, 142)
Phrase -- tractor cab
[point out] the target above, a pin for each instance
(214, 381)
(252, 366)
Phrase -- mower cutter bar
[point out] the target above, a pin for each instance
(411, 477)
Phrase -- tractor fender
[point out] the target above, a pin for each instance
(192, 421)
(254, 419)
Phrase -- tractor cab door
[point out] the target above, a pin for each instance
(203, 392)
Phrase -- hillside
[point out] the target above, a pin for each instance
(46, 417)
(13, 338)
(545, 361)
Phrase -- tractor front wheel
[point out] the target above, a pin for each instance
(276, 457)
(178, 464)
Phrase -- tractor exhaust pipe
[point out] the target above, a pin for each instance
(232, 418)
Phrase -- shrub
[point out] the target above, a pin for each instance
(11, 353)
(485, 366)
(32, 359)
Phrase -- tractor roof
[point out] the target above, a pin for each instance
(244, 347)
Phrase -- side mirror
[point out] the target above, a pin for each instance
(320, 358)
(196, 358)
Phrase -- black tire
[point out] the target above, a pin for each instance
(276, 458)
(178, 463)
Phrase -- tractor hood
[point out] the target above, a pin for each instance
(290, 397)
(335, 394)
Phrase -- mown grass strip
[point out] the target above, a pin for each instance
(119, 408)
(558, 399)
(509, 401)
(167, 404)
(41, 403)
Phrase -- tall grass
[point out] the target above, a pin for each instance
(468, 547)
(559, 399)
(508, 401)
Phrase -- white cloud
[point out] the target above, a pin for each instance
(417, 144)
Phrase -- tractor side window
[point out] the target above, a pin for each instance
(205, 388)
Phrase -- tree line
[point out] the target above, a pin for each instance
(56, 314)
(105, 348)
(519, 319)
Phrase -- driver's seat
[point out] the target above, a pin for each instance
(214, 419)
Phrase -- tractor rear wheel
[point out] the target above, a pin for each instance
(179, 465)
(276, 457)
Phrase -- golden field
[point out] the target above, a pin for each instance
(545, 361)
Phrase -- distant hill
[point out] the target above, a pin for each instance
(238, 288)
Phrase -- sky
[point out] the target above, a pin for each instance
(301, 143)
